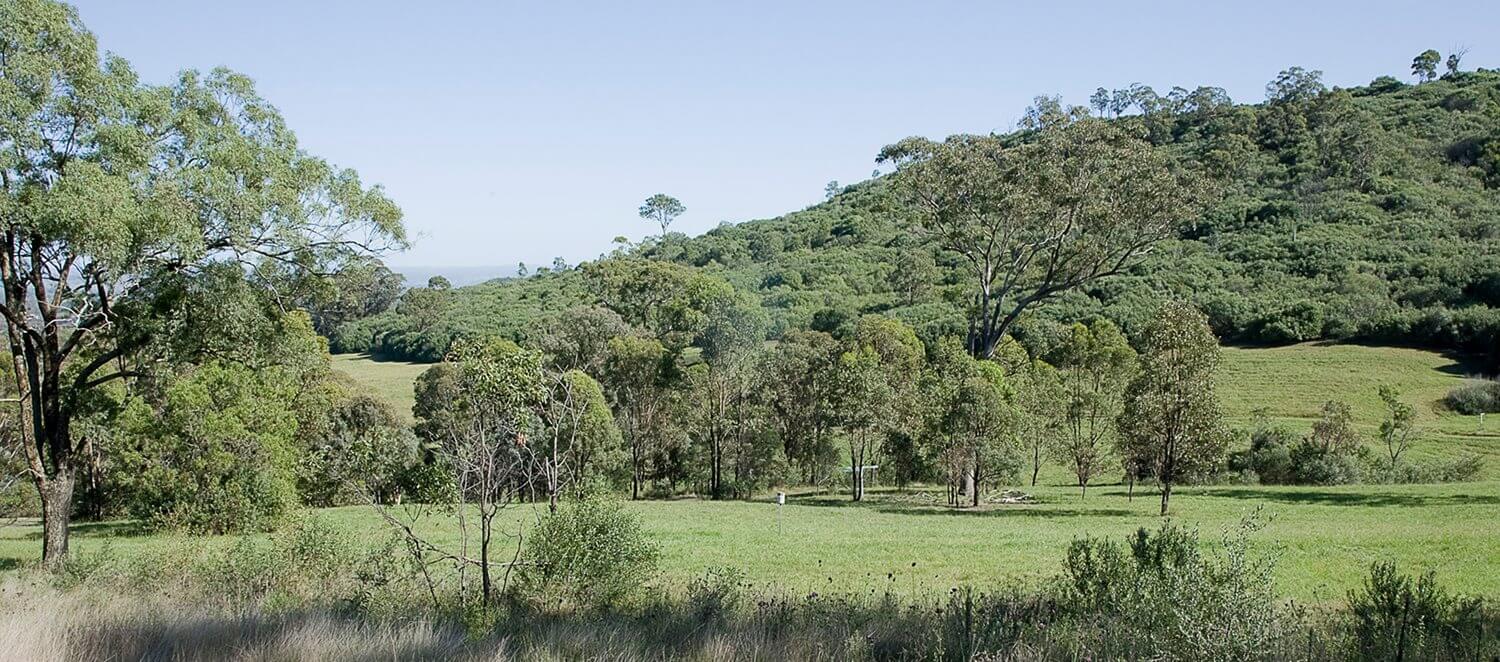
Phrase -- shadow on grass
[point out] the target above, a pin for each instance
(1327, 498)
(985, 510)
(110, 529)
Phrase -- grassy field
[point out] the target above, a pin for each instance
(390, 380)
(1327, 537)
(1292, 383)
(820, 542)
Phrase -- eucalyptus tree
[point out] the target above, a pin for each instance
(675, 303)
(1073, 202)
(865, 404)
(661, 209)
(1455, 60)
(1096, 364)
(578, 338)
(1172, 414)
(795, 383)
(875, 390)
(583, 443)
(974, 418)
(1424, 65)
(483, 410)
(117, 198)
(638, 376)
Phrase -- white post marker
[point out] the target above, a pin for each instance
(780, 501)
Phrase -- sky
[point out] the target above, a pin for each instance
(518, 132)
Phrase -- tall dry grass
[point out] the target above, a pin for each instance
(43, 625)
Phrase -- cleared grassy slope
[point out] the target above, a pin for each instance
(389, 380)
(1292, 383)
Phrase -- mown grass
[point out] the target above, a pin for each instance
(821, 542)
(1292, 383)
(389, 380)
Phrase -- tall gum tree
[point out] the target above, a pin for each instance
(118, 198)
(1036, 214)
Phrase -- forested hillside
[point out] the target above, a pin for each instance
(1370, 214)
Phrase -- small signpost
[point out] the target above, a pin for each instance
(780, 501)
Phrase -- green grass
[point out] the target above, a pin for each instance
(1292, 383)
(389, 380)
(1327, 536)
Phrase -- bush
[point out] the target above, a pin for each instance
(1269, 455)
(591, 555)
(1480, 397)
(1313, 465)
(1166, 595)
(1463, 469)
(1397, 617)
(216, 454)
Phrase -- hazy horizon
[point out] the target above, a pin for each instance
(515, 134)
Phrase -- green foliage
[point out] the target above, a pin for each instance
(1172, 421)
(1363, 215)
(1480, 397)
(367, 451)
(1331, 454)
(1096, 364)
(1166, 594)
(1398, 617)
(1029, 218)
(216, 454)
(1269, 458)
(590, 555)
(579, 417)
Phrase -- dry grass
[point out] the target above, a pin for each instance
(42, 625)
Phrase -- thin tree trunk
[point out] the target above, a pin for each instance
(975, 480)
(1166, 493)
(484, 557)
(1036, 463)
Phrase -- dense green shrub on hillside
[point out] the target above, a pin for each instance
(1480, 397)
(1369, 214)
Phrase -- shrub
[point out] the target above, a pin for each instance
(1166, 595)
(590, 555)
(217, 454)
(1397, 617)
(1311, 464)
(1479, 397)
(1269, 455)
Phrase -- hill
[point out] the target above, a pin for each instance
(1367, 214)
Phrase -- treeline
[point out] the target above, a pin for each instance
(1364, 214)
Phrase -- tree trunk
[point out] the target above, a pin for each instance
(1166, 493)
(974, 480)
(57, 510)
(635, 471)
(486, 585)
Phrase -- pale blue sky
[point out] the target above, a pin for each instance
(522, 131)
